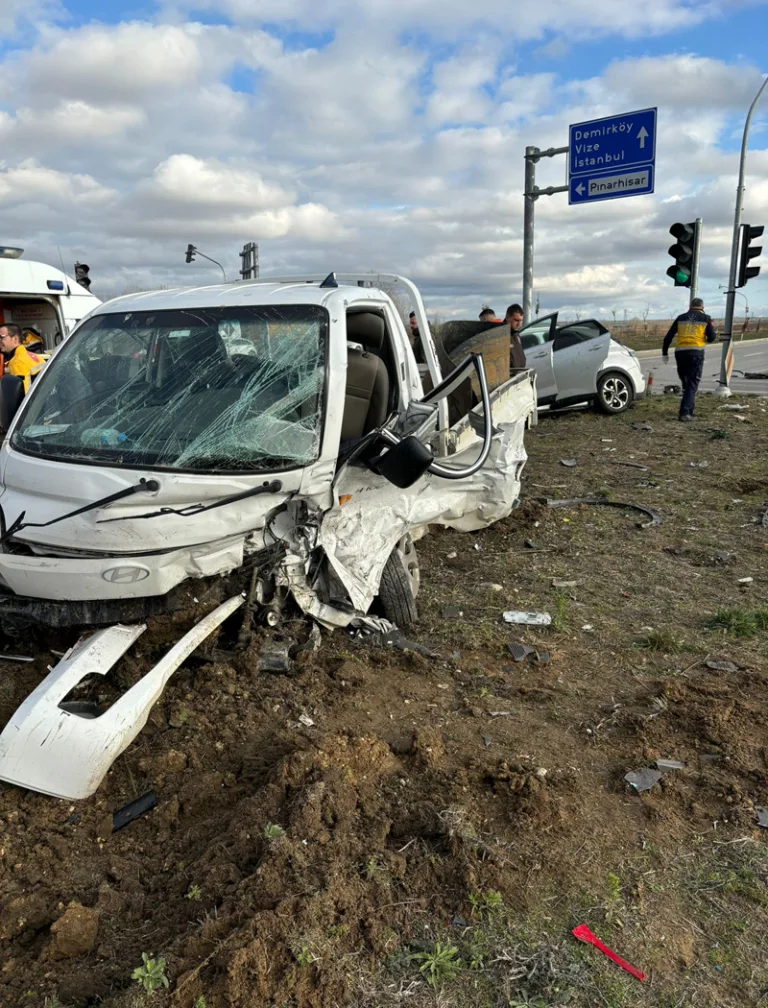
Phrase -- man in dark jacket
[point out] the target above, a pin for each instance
(514, 319)
(693, 330)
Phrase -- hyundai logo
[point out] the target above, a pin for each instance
(125, 575)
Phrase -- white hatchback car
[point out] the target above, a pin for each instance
(579, 362)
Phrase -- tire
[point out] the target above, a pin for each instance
(399, 585)
(614, 393)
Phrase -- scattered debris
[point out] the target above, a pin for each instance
(306, 720)
(588, 627)
(491, 587)
(757, 375)
(452, 555)
(717, 434)
(734, 406)
(530, 544)
(710, 757)
(487, 740)
(643, 780)
(743, 419)
(568, 463)
(655, 517)
(16, 658)
(722, 557)
(557, 583)
(669, 764)
(527, 618)
(542, 657)
(722, 666)
(642, 426)
(519, 652)
(630, 465)
(477, 547)
(133, 810)
(500, 713)
(451, 612)
(275, 658)
(583, 933)
(762, 816)
(607, 440)
(699, 465)
(47, 749)
(672, 390)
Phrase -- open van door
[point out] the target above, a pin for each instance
(413, 473)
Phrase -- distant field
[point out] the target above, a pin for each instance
(641, 335)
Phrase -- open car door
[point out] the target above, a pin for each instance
(579, 351)
(537, 339)
(415, 472)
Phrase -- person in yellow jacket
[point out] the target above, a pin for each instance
(17, 360)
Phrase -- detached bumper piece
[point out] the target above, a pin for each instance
(48, 746)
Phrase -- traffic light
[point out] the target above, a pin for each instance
(682, 253)
(81, 275)
(191, 253)
(747, 272)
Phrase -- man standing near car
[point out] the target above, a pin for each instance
(514, 319)
(693, 330)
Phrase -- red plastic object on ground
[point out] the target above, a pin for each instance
(650, 381)
(583, 933)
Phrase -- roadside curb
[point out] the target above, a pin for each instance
(642, 354)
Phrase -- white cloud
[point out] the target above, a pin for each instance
(114, 64)
(67, 122)
(30, 182)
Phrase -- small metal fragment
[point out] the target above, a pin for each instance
(527, 618)
(722, 666)
(643, 780)
(568, 463)
(669, 764)
(519, 652)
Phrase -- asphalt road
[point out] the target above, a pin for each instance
(751, 355)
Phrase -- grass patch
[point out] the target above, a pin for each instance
(662, 641)
(740, 622)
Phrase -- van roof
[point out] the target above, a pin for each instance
(298, 290)
(25, 276)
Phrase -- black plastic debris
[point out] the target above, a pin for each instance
(275, 658)
(542, 657)
(655, 517)
(722, 666)
(394, 638)
(758, 376)
(530, 544)
(519, 652)
(672, 390)
(72, 820)
(643, 780)
(568, 463)
(722, 557)
(133, 810)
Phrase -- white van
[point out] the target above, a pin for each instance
(35, 294)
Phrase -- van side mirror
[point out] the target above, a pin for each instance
(11, 397)
(404, 463)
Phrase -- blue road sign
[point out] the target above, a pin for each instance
(612, 157)
(592, 188)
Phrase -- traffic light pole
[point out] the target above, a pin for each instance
(726, 364)
(696, 259)
(532, 193)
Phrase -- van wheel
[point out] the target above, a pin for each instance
(399, 585)
(614, 393)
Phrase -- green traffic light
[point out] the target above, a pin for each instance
(682, 276)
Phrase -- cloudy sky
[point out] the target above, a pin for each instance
(375, 135)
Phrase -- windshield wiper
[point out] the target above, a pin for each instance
(144, 485)
(194, 509)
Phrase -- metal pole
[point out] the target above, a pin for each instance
(726, 363)
(213, 261)
(531, 157)
(696, 256)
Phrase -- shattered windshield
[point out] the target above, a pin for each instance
(201, 389)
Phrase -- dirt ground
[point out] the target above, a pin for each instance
(441, 825)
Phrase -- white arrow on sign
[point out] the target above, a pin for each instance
(579, 188)
(641, 136)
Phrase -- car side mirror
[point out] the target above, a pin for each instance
(11, 397)
(404, 463)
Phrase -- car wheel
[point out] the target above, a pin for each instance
(614, 392)
(399, 585)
